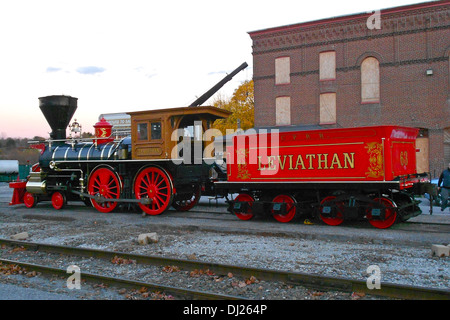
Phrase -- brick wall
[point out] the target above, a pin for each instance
(412, 40)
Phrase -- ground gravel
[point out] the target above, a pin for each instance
(187, 237)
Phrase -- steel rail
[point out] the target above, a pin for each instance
(391, 290)
(126, 283)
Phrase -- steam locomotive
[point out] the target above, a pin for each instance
(333, 174)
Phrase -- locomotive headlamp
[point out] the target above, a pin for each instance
(75, 127)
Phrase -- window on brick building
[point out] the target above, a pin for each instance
(282, 70)
(370, 80)
(283, 111)
(327, 108)
(327, 65)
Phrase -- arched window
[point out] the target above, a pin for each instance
(370, 80)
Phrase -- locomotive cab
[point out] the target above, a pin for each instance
(172, 133)
(175, 140)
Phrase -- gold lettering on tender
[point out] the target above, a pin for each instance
(336, 162)
(349, 159)
(290, 161)
(322, 161)
(271, 163)
(300, 162)
(310, 157)
(259, 164)
(282, 163)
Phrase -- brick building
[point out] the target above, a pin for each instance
(389, 67)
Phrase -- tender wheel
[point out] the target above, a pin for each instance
(186, 205)
(104, 182)
(326, 208)
(30, 200)
(390, 213)
(290, 208)
(154, 183)
(247, 213)
(58, 200)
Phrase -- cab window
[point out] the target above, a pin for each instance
(156, 130)
(142, 132)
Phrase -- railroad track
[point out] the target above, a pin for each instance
(293, 278)
(180, 293)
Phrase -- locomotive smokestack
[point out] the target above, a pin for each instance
(58, 110)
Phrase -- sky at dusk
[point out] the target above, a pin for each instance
(122, 56)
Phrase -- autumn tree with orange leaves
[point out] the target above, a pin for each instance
(242, 106)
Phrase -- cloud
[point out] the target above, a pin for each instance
(216, 72)
(147, 74)
(90, 70)
(53, 69)
(151, 75)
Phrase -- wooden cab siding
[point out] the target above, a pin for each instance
(161, 146)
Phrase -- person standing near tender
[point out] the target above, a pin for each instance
(444, 179)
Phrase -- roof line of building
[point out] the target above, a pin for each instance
(393, 10)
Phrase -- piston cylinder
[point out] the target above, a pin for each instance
(36, 184)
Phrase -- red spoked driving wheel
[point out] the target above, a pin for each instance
(390, 213)
(327, 205)
(290, 208)
(246, 214)
(105, 183)
(155, 184)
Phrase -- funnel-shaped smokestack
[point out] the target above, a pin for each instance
(58, 110)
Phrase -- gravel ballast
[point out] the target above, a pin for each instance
(217, 237)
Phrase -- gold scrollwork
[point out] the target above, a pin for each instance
(404, 158)
(101, 133)
(375, 151)
(242, 168)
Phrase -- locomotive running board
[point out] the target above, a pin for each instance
(100, 199)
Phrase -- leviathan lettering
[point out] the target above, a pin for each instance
(320, 161)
